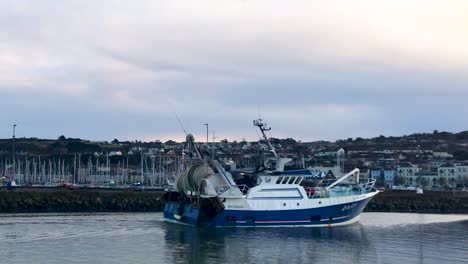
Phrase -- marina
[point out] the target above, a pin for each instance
(96, 170)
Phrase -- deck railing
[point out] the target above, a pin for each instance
(364, 186)
(316, 192)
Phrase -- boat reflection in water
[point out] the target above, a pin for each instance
(264, 245)
(378, 238)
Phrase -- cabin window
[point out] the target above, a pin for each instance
(259, 180)
(291, 181)
(298, 180)
(285, 180)
(279, 180)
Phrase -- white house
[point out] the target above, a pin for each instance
(408, 172)
(453, 175)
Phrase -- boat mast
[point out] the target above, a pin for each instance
(13, 153)
(263, 128)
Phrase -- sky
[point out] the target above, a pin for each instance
(314, 70)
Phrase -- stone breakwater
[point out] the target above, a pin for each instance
(78, 200)
(430, 202)
(110, 200)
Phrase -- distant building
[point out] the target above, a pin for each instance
(453, 175)
(115, 153)
(442, 155)
(427, 179)
(447, 170)
(437, 163)
(386, 174)
(407, 171)
(461, 174)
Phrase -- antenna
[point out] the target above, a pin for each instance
(264, 128)
(259, 137)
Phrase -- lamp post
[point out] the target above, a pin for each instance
(13, 153)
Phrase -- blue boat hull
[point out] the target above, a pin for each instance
(323, 216)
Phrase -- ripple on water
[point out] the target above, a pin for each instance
(144, 238)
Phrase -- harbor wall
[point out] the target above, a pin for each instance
(78, 200)
(442, 202)
(57, 200)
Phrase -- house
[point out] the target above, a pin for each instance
(437, 163)
(447, 174)
(384, 176)
(426, 179)
(407, 171)
(453, 175)
(442, 155)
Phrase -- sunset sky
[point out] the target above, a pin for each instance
(315, 70)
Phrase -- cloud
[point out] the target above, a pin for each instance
(318, 70)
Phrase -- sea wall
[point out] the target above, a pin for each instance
(78, 200)
(103, 200)
(430, 202)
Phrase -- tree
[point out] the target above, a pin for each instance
(115, 141)
(418, 181)
(441, 181)
(398, 180)
(380, 181)
(62, 138)
(358, 139)
(424, 182)
(452, 182)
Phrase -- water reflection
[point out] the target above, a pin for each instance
(145, 238)
(267, 245)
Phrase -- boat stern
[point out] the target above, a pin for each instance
(182, 214)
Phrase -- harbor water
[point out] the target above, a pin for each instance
(145, 238)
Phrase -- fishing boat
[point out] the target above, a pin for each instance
(208, 195)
